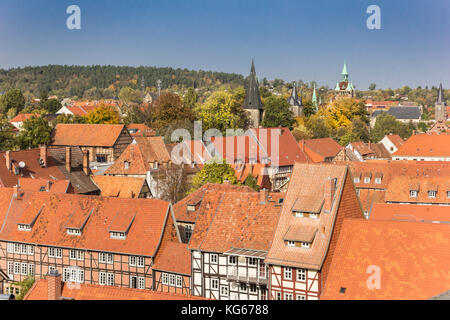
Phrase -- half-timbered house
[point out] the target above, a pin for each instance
(319, 197)
(231, 238)
(87, 239)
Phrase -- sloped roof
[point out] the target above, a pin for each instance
(401, 113)
(425, 145)
(412, 258)
(396, 140)
(121, 187)
(320, 149)
(57, 209)
(235, 220)
(86, 135)
(410, 212)
(399, 189)
(22, 117)
(58, 186)
(173, 257)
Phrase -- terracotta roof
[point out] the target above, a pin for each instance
(195, 198)
(22, 117)
(173, 257)
(308, 181)
(396, 140)
(412, 259)
(257, 170)
(425, 145)
(121, 187)
(81, 110)
(399, 189)
(410, 212)
(237, 148)
(39, 291)
(148, 218)
(58, 186)
(189, 152)
(303, 233)
(86, 135)
(228, 220)
(141, 129)
(319, 150)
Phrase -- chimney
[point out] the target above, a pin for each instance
(17, 193)
(86, 162)
(49, 185)
(68, 159)
(328, 194)
(8, 160)
(263, 195)
(54, 286)
(43, 154)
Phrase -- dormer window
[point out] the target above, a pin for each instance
(448, 194)
(291, 243)
(366, 179)
(24, 227)
(298, 214)
(313, 216)
(126, 165)
(378, 181)
(190, 208)
(305, 244)
(117, 235)
(413, 193)
(356, 180)
(432, 194)
(73, 232)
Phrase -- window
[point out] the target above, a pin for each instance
(74, 232)
(378, 180)
(102, 278)
(305, 245)
(132, 261)
(74, 274)
(413, 193)
(171, 279)
(16, 267)
(76, 255)
(448, 194)
(126, 165)
(356, 180)
(102, 158)
(24, 227)
(214, 284)
(342, 290)
(30, 250)
(367, 180)
(232, 260)
(243, 287)
(288, 296)
(301, 297)
(299, 214)
(23, 249)
(165, 278)
(291, 243)
(301, 274)
(24, 269)
(10, 268)
(179, 282)
(288, 273)
(117, 235)
(106, 258)
(251, 261)
(16, 248)
(213, 258)
(224, 291)
(66, 274)
(253, 288)
(431, 194)
(140, 261)
(188, 229)
(313, 216)
(155, 165)
(110, 279)
(190, 208)
(10, 247)
(141, 283)
(278, 296)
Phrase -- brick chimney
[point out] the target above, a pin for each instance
(263, 195)
(86, 162)
(17, 193)
(68, 159)
(8, 160)
(54, 286)
(328, 194)
(49, 185)
(43, 154)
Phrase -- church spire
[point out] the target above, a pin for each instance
(314, 97)
(252, 97)
(441, 97)
(344, 73)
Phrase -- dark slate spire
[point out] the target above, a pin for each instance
(252, 97)
(441, 97)
(294, 99)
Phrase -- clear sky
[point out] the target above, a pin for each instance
(288, 39)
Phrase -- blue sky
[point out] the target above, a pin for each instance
(288, 39)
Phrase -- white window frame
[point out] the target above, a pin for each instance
(224, 291)
(140, 262)
(356, 180)
(288, 273)
(10, 247)
(10, 268)
(171, 280)
(214, 284)
(16, 267)
(291, 243)
(253, 288)
(141, 283)
(366, 180)
(16, 247)
(413, 193)
(179, 281)
(165, 278)
(213, 258)
(102, 278)
(132, 260)
(23, 249)
(117, 235)
(301, 297)
(301, 274)
(288, 296)
(24, 269)
(432, 194)
(306, 245)
(252, 262)
(232, 260)
(377, 180)
(30, 250)
(110, 279)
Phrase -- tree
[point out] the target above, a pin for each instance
(342, 112)
(388, 124)
(277, 113)
(251, 182)
(25, 285)
(7, 137)
(35, 131)
(221, 111)
(317, 127)
(52, 105)
(103, 115)
(169, 109)
(12, 99)
(214, 172)
(129, 95)
(68, 118)
(190, 98)
(308, 108)
(172, 183)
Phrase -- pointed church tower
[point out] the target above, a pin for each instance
(314, 99)
(344, 87)
(253, 104)
(440, 114)
(295, 102)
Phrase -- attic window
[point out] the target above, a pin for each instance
(155, 165)
(378, 180)
(356, 180)
(413, 193)
(366, 179)
(117, 235)
(41, 189)
(126, 165)
(73, 232)
(448, 194)
(342, 290)
(291, 243)
(190, 208)
(24, 227)
(432, 194)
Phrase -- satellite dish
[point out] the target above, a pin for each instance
(22, 164)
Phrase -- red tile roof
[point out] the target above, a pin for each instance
(148, 217)
(39, 291)
(173, 257)
(121, 187)
(425, 145)
(86, 135)
(410, 212)
(412, 259)
(22, 117)
(257, 170)
(236, 220)
(196, 197)
(141, 130)
(396, 140)
(399, 189)
(319, 150)
(81, 110)
(59, 186)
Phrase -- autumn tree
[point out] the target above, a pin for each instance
(172, 182)
(277, 113)
(103, 115)
(214, 172)
(190, 98)
(168, 111)
(128, 95)
(12, 99)
(35, 131)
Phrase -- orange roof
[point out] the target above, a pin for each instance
(139, 156)
(319, 150)
(81, 110)
(87, 135)
(57, 211)
(195, 198)
(22, 117)
(308, 185)
(237, 148)
(257, 170)
(399, 189)
(425, 145)
(396, 140)
(173, 257)
(140, 130)
(189, 152)
(39, 291)
(410, 212)
(412, 259)
(121, 187)
(231, 220)
(59, 186)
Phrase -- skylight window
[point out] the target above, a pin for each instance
(73, 232)
(117, 235)
(24, 227)
(413, 193)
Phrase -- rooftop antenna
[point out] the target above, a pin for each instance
(158, 83)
